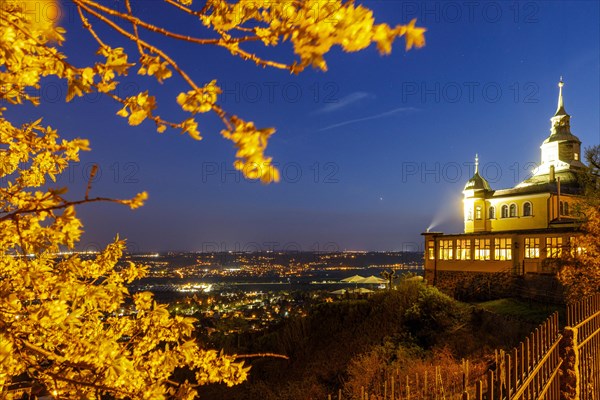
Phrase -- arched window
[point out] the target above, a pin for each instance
(478, 212)
(513, 210)
(492, 212)
(504, 213)
(566, 208)
(527, 209)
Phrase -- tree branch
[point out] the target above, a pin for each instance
(262, 355)
(13, 214)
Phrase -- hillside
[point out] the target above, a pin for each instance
(341, 343)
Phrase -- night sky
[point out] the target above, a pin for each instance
(371, 153)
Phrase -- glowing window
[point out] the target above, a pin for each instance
(492, 212)
(502, 249)
(513, 210)
(431, 250)
(553, 247)
(446, 250)
(478, 212)
(482, 249)
(463, 249)
(532, 247)
(504, 212)
(576, 250)
(527, 209)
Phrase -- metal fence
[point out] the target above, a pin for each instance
(531, 371)
(583, 318)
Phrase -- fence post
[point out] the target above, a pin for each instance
(490, 385)
(569, 382)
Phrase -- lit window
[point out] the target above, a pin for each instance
(553, 247)
(576, 156)
(527, 209)
(492, 212)
(446, 250)
(576, 250)
(504, 213)
(502, 249)
(482, 249)
(478, 212)
(532, 247)
(431, 250)
(463, 249)
(513, 210)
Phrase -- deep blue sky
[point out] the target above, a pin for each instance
(372, 151)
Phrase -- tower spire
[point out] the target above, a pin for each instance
(476, 163)
(560, 109)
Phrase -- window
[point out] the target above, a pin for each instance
(553, 247)
(492, 212)
(446, 250)
(576, 156)
(532, 247)
(502, 249)
(478, 212)
(431, 250)
(576, 250)
(561, 208)
(513, 210)
(482, 249)
(504, 213)
(470, 215)
(527, 209)
(566, 210)
(463, 249)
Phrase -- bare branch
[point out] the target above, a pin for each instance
(262, 355)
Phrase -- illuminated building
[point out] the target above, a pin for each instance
(520, 230)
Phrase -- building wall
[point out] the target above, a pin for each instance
(539, 218)
(544, 208)
(530, 252)
(469, 286)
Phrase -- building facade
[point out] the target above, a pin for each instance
(520, 230)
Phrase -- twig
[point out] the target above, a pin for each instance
(262, 355)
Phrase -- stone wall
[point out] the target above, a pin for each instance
(481, 286)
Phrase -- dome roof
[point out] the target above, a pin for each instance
(477, 182)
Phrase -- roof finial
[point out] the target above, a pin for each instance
(560, 109)
(476, 163)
